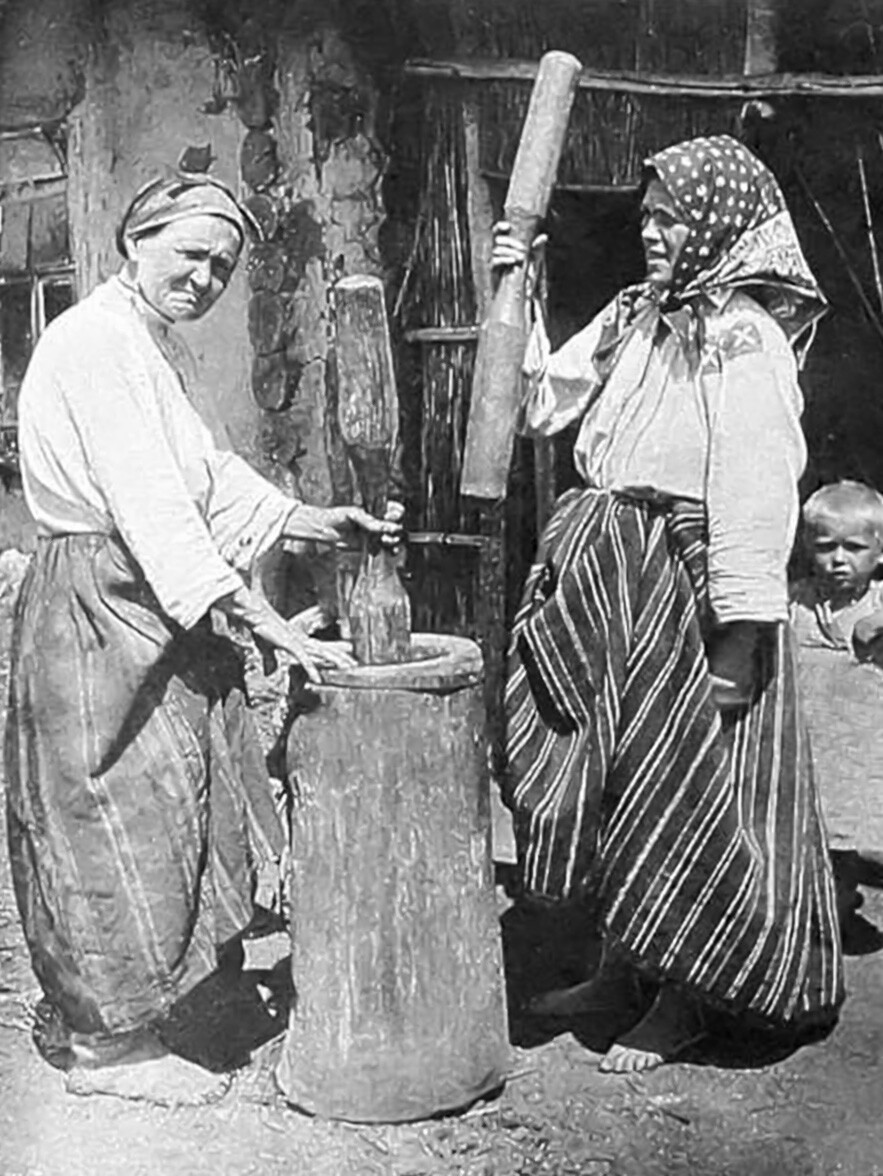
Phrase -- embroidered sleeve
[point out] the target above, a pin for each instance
(756, 455)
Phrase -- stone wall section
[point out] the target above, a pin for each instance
(315, 169)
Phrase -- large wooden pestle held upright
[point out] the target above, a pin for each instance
(399, 1012)
(378, 612)
(497, 381)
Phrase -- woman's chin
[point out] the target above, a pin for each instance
(185, 310)
(659, 279)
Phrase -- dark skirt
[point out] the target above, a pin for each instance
(138, 798)
(697, 837)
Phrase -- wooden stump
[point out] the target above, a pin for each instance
(399, 1011)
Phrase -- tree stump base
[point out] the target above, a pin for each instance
(399, 1010)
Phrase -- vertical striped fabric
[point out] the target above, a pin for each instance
(700, 839)
(137, 796)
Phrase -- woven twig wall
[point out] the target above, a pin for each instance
(439, 292)
(609, 135)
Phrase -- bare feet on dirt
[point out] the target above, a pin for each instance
(169, 1081)
(613, 985)
(673, 1023)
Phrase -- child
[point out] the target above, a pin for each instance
(837, 615)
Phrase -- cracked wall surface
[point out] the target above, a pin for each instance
(148, 77)
(292, 130)
(331, 168)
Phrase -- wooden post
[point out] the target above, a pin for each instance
(378, 610)
(497, 379)
(396, 958)
(490, 606)
(761, 56)
(761, 50)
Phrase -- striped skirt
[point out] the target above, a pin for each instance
(137, 794)
(697, 837)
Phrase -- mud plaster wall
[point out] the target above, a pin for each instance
(148, 75)
(42, 46)
(147, 82)
(329, 191)
(137, 82)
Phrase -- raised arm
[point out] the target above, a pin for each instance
(559, 385)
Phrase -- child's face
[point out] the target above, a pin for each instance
(846, 552)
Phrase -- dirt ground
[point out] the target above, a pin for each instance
(815, 1112)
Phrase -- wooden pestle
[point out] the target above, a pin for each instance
(378, 609)
(496, 382)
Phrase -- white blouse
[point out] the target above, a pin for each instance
(110, 443)
(725, 431)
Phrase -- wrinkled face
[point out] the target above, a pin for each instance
(663, 233)
(184, 267)
(846, 552)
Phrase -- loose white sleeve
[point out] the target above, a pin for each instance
(756, 457)
(112, 405)
(560, 384)
(246, 513)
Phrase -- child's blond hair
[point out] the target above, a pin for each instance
(842, 499)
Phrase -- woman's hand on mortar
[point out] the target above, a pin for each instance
(289, 636)
(313, 655)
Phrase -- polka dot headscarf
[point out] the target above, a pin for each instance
(741, 233)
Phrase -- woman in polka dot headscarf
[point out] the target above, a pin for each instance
(656, 764)
(737, 231)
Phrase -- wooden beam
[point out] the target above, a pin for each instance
(734, 87)
(465, 334)
(626, 189)
(447, 539)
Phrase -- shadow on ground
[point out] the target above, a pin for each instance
(554, 949)
(230, 1015)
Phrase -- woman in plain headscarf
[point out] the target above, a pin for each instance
(657, 765)
(138, 799)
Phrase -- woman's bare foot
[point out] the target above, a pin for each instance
(613, 987)
(168, 1081)
(673, 1023)
(96, 1052)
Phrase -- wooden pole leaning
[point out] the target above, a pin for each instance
(497, 379)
